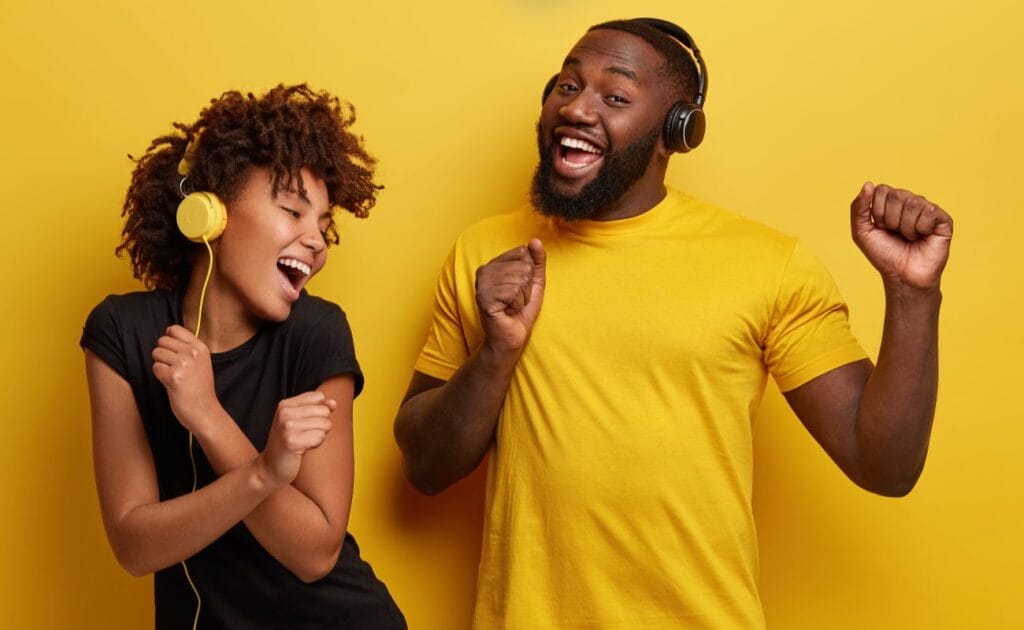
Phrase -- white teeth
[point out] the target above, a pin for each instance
(582, 145)
(295, 264)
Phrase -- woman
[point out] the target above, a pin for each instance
(224, 460)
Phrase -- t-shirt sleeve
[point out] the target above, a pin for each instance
(328, 350)
(445, 349)
(102, 336)
(809, 333)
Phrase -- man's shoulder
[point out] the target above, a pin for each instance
(488, 237)
(715, 217)
(509, 225)
(728, 228)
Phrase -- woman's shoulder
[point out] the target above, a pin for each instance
(138, 302)
(311, 310)
(318, 333)
(137, 306)
(315, 320)
(125, 326)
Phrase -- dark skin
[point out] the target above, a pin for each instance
(874, 421)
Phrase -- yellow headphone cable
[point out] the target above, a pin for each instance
(191, 439)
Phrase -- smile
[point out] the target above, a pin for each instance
(297, 265)
(295, 272)
(577, 153)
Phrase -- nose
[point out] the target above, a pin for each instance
(579, 109)
(314, 240)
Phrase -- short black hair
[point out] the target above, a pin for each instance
(680, 68)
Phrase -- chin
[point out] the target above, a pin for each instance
(271, 311)
(568, 188)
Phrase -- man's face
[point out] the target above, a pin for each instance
(600, 129)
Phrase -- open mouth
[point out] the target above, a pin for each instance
(294, 272)
(575, 157)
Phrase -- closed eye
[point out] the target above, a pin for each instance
(294, 213)
(328, 228)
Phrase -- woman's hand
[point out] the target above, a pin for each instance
(300, 425)
(182, 363)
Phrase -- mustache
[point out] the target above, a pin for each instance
(546, 143)
(616, 176)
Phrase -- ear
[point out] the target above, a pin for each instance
(662, 149)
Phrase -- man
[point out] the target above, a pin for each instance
(609, 345)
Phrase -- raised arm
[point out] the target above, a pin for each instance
(445, 428)
(875, 421)
(302, 524)
(146, 534)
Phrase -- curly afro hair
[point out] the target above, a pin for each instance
(285, 130)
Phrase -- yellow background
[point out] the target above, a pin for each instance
(807, 100)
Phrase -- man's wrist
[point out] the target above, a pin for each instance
(906, 295)
(497, 356)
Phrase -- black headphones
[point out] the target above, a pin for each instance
(684, 125)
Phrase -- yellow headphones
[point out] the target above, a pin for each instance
(201, 215)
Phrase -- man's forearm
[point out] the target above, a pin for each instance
(445, 432)
(895, 417)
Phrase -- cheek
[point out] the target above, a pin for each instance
(239, 248)
(319, 262)
(548, 119)
(254, 233)
(630, 124)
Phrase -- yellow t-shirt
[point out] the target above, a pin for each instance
(619, 484)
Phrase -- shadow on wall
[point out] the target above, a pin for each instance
(438, 581)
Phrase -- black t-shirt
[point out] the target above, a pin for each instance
(241, 585)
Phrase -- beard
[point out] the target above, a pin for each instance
(621, 169)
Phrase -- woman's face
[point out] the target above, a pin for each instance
(272, 245)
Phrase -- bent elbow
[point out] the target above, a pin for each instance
(427, 488)
(132, 564)
(897, 489)
(135, 570)
(422, 483)
(892, 486)
(421, 479)
(319, 567)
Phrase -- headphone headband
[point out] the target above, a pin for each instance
(677, 33)
(683, 129)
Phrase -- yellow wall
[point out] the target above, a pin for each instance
(807, 100)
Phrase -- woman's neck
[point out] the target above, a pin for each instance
(226, 323)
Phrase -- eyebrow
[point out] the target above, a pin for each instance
(294, 194)
(620, 70)
(326, 214)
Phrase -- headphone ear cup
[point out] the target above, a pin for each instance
(202, 214)
(684, 127)
(550, 87)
